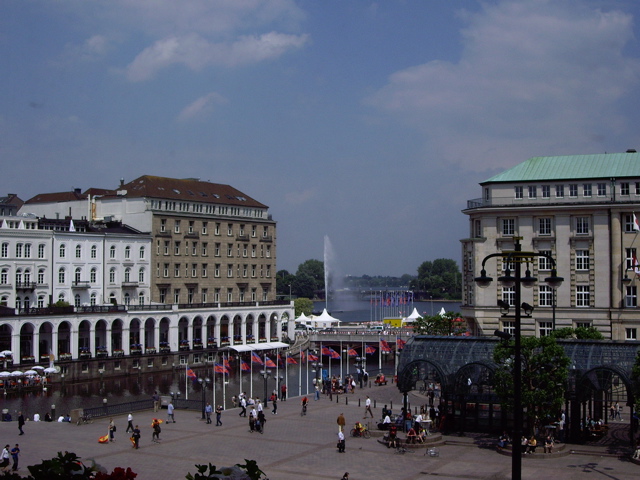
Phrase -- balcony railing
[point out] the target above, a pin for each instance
(26, 285)
(80, 284)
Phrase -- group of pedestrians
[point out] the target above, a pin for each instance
(7, 455)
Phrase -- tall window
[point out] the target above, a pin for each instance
(141, 275)
(112, 252)
(127, 275)
(573, 190)
(509, 295)
(78, 251)
(163, 295)
(518, 192)
(204, 270)
(544, 225)
(4, 276)
(18, 250)
(61, 275)
(533, 191)
(631, 334)
(41, 276)
(559, 191)
(230, 270)
(545, 296)
(112, 275)
(127, 252)
(204, 228)
(141, 298)
(545, 328)
(229, 294)
(176, 295)
(631, 298)
(176, 270)
(76, 300)
(602, 189)
(583, 296)
(77, 275)
(629, 260)
(508, 226)
(582, 225)
(546, 191)
(27, 250)
(41, 250)
(587, 190)
(94, 251)
(163, 225)
(93, 275)
(582, 259)
(63, 250)
(216, 271)
(141, 254)
(5, 250)
(624, 188)
(176, 229)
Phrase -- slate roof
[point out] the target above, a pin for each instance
(189, 189)
(57, 197)
(573, 167)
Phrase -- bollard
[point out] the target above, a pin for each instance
(337, 398)
(346, 400)
(358, 402)
(374, 403)
(391, 405)
(53, 413)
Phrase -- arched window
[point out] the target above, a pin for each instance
(141, 253)
(4, 251)
(41, 248)
(94, 251)
(93, 275)
(76, 300)
(41, 276)
(61, 275)
(41, 301)
(3, 301)
(61, 297)
(93, 299)
(127, 274)
(141, 298)
(18, 277)
(18, 303)
(63, 250)
(141, 275)
(78, 251)
(112, 275)
(112, 251)
(27, 303)
(4, 276)
(112, 299)
(78, 275)
(127, 299)
(27, 276)
(127, 252)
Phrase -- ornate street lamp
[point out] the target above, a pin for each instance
(265, 374)
(204, 382)
(517, 258)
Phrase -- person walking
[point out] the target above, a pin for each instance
(170, 417)
(156, 401)
(20, 422)
(136, 437)
(112, 430)
(129, 423)
(341, 422)
(274, 401)
(261, 421)
(15, 453)
(218, 415)
(253, 415)
(155, 436)
(208, 410)
(367, 407)
(283, 393)
(243, 406)
(341, 442)
(4, 458)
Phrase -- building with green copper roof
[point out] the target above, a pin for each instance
(580, 210)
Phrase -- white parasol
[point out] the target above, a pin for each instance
(17, 373)
(5, 374)
(31, 372)
(37, 367)
(51, 370)
(6, 352)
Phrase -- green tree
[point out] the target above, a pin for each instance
(304, 286)
(283, 280)
(443, 325)
(303, 305)
(544, 376)
(581, 333)
(440, 278)
(315, 270)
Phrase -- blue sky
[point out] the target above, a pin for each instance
(369, 122)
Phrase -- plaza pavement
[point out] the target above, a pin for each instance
(294, 447)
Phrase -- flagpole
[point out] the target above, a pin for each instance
(251, 375)
(224, 384)
(186, 385)
(240, 368)
(379, 354)
(307, 372)
(300, 373)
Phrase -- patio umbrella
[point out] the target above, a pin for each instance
(17, 373)
(5, 374)
(37, 367)
(31, 372)
(6, 352)
(50, 370)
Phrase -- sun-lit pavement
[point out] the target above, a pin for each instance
(294, 447)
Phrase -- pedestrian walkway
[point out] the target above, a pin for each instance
(294, 447)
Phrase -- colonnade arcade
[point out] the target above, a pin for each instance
(128, 333)
(461, 370)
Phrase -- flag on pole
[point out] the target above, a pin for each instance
(326, 351)
(291, 360)
(302, 356)
(333, 353)
(384, 346)
(636, 224)
(268, 362)
(312, 358)
(225, 362)
(218, 368)
(255, 358)
(191, 374)
(244, 366)
(369, 350)
(352, 353)
(400, 343)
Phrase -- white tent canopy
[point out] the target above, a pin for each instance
(324, 320)
(302, 318)
(413, 317)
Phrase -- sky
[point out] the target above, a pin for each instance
(369, 123)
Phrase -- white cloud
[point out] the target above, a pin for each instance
(196, 52)
(535, 77)
(297, 198)
(201, 106)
